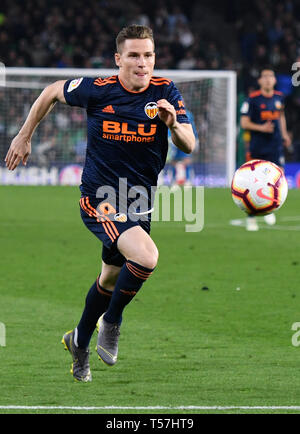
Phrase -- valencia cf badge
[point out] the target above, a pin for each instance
(120, 217)
(278, 105)
(151, 109)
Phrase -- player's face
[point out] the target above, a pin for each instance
(267, 80)
(136, 62)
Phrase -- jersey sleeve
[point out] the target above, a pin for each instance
(174, 97)
(192, 121)
(282, 102)
(247, 108)
(77, 92)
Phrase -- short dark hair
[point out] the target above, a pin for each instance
(265, 68)
(134, 31)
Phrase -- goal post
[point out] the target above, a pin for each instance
(58, 146)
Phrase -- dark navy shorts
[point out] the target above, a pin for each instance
(271, 156)
(107, 225)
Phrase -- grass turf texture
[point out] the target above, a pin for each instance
(180, 345)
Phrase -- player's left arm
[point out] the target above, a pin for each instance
(182, 134)
(285, 136)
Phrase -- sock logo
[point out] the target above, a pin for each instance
(132, 293)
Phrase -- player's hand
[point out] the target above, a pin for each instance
(287, 141)
(166, 112)
(267, 127)
(248, 156)
(19, 150)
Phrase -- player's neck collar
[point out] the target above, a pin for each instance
(132, 91)
(267, 94)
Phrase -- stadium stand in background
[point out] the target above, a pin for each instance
(228, 35)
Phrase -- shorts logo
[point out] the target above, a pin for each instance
(120, 217)
(151, 109)
(74, 83)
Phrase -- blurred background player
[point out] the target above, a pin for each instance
(181, 163)
(263, 115)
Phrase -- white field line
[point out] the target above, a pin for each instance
(290, 219)
(158, 407)
(276, 227)
(283, 228)
(240, 223)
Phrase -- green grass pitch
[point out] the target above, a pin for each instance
(180, 345)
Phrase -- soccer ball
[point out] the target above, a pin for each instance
(259, 187)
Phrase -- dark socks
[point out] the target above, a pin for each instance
(130, 280)
(96, 302)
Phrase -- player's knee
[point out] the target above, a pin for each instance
(137, 246)
(148, 257)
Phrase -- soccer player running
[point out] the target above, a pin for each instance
(263, 115)
(128, 118)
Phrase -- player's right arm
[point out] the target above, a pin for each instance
(247, 124)
(20, 147)
(247, 110)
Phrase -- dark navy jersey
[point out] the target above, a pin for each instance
(260, 109)
(125, 137)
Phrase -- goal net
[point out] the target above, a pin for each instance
(59, 142)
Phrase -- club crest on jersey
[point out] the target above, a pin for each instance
(151, 109)
(278, 104)
(74, 84)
